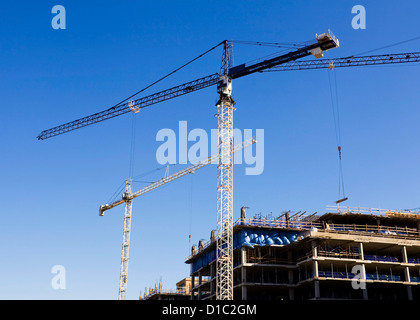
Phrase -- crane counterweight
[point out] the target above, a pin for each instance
(326, 42)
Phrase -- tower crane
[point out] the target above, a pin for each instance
(128, 197)
(224, 260)
(323, 42)
(223, 80)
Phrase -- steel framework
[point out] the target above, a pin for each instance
(122, 291)
(128, 197)
(224, 257)
(224, 274)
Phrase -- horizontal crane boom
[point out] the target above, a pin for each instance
(179, 174)
(134, 106)
(325, 41)
(348, 62)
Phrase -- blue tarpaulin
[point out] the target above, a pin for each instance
(250, 237)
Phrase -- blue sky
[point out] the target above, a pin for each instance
(51, 190)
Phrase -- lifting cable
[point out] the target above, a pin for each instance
(290, 45)
(133, 122)
(136, 178)
(285, 46)
(388, 46)
(336, 114)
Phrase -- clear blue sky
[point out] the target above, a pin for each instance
(51, 190)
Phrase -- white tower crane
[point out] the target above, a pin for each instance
(128, 197)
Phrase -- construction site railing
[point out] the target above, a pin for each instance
(167, 291)
(381, 230)
(372, 211)
(351, 276)
(322, 227)
(278, 223)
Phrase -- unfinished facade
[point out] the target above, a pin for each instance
(349, 254)
(182, 291)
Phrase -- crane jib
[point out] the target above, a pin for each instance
(353, 61)
(115, 111)
(324, 42)
(243, 69)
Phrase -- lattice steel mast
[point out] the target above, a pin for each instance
(224, 255)
(122, 291)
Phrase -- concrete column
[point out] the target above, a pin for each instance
(316, 274)
(200, 278)
(404, 254)
(363, 272)
(317, 293)
(291, 293)
(363, 277)
(291, 289)
(365, 294)
(314, 256)
(406, 272)
(315, 267)
(290, 275)
(192, 286)
(243, 281)
(362, 254)
(244, 292)
(243, 255)
(409, 293)
(212, 278)
(314, 249)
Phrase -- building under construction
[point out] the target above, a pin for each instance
(346, 253)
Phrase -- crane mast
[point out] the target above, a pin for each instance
(122, 291)
(224, 261)
(224, 245)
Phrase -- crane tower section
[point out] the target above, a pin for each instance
(224, 269)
